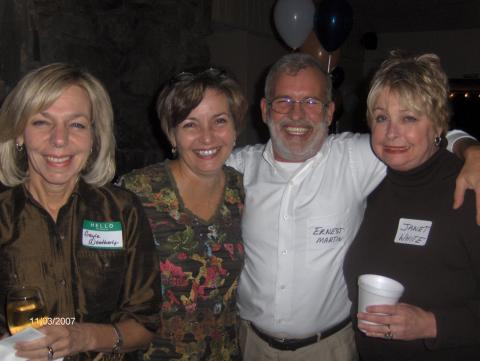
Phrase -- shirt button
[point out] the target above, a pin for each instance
(284, 252)
(285, 217)
(63, 283)
(62, 237)
(282, 287)
(217, 308)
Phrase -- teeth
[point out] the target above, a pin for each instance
(57, 159)
(296, 130)
(207, 152)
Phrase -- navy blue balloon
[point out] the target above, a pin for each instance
(333, 22)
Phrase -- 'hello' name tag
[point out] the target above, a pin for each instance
(102, 235)
(413, 231)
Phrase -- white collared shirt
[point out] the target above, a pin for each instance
(297, 225)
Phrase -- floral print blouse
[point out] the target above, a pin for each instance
(200, 264)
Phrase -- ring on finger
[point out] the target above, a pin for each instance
(50, 352)
(388, 335)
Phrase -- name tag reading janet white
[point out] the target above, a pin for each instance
(413, 231)
(102, 235)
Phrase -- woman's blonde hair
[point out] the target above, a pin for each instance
(34, 93)
(419, 81)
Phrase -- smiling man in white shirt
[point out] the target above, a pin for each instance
(305, 199)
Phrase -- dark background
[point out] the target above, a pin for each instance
(134, 46)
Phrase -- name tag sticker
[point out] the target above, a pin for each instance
(102, 235)
(413, 231)
(327, 235)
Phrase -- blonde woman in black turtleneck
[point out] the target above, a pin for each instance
(410, 231)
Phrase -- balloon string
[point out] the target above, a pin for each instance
(328, 66)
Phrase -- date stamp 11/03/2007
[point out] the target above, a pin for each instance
(52, 321)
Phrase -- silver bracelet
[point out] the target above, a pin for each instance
(119, 341)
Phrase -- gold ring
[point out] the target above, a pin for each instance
(50, 352)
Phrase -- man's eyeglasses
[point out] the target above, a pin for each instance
(284, 105)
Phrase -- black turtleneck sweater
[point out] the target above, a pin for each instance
(437, 262)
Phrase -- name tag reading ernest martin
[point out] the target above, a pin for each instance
(102, 235)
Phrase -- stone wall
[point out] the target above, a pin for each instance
(133, 46)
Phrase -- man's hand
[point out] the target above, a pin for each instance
(469, 177)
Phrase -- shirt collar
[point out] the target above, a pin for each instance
(79, 186)
(270, 158)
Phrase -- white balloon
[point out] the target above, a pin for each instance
(294, 20)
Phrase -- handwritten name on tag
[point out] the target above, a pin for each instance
(102, 235)
(327, 235)
(413, 231)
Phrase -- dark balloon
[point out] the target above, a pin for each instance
(333, 22)
(313, 47)
(337, 75)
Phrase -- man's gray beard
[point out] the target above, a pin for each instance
(308, 152)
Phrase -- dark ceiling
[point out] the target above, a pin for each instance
(416, 15)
